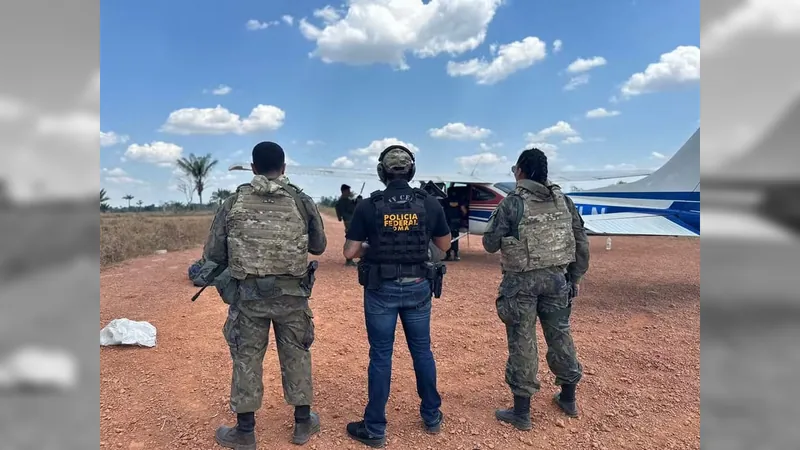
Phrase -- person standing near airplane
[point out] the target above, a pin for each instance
(455, 211)
(393, 229)
(544, 254)
(345, 206)
(262, 236)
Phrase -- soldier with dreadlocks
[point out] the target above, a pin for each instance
(544, 255)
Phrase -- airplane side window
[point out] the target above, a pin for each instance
(479, 195)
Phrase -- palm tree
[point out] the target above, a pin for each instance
(104, 200)
(197, 169)
(128, 197)
(139, 204)
(220, 195)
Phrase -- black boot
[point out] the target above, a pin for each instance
(358, 431)
(566, 400)
(240, 437)
(306, 424)
(519, 416)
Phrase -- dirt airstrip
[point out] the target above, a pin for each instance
(636, 325)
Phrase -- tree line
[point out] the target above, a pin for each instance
(195, 172)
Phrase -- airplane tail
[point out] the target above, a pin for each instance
(680, 175)
(666, 202)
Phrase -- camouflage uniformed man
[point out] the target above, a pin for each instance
(345, 207)
(263, 234)
(545, 252)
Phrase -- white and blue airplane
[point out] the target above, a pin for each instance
(666, 202)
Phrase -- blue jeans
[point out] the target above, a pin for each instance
(412, 302)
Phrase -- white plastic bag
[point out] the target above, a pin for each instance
(128, 332)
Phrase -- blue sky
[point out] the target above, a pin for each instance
(335, 83)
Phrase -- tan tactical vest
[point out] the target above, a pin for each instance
(545, 235)
(267, 233)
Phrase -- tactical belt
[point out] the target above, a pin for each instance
(371, 275)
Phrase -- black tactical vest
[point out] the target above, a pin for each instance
(403, 234)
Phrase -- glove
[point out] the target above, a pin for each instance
(574, 290)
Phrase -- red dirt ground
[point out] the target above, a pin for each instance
(636, 325)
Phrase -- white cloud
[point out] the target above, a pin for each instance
(255, 25)
(459, 132)
(573, 140)
(219, 120)
(343, 162)
(289, 20)
(576, 81)
(371, 152)
(222, 89)
(549, 149)
(680, 66)
(598, 113)
(108, 139)
(11, 109)
(312, 142)
(760, 16)
(561, 128)
(79, 125)
(510, 58)
(119, 176)
(481, 160)
(370, 32)
(557, 44)
(115, 172)
(658, 155)
(581, 65)
(328, 14)
(486, 147)
(157, 152)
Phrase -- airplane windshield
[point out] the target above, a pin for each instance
(507, 187)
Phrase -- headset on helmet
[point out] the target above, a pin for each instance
(382, 169)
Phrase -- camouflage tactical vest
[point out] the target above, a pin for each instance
(545, 235)
(267, 233)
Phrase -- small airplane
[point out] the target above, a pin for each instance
(666, 202)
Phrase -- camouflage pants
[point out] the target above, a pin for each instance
(519, 313)
(247, 332)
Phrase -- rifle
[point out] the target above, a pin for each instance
(209, 280)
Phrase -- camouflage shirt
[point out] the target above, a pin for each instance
(505, 219)
(216, 247)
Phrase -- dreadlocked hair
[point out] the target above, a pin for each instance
(533, 163)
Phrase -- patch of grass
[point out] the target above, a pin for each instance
(129, 235)
(327, 210)
(125, 236)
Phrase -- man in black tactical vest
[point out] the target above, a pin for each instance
(345, 206)
(391, 231)
(455, 211)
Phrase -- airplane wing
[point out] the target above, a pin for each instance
(635, 224)
(593, 175)
(370, 175)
